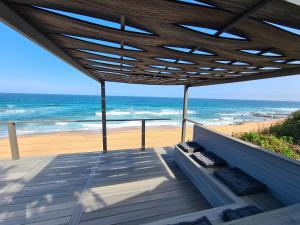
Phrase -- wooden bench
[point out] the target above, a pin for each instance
(214, 215)
(287, 215)
(217, 193)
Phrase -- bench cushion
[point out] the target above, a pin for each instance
(233, 214)
(190, 147)
(201, 221)
(240, 182)
(208, 159)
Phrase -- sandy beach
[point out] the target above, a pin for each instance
(86, 141)
(245, 127)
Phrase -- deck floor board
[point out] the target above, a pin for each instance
(119, 187)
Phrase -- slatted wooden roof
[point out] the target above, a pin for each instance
(164, 41)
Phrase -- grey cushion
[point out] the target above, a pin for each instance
(208, 159)
(190, 147)
(201, 221)
(233, 214)
(240, 182)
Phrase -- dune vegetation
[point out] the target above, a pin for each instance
(283, 138)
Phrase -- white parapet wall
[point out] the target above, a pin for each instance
(279, 173)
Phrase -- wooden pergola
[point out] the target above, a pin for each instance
(183, 42)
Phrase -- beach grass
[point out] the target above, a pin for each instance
(282, 138)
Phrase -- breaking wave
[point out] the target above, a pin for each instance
(163, 112)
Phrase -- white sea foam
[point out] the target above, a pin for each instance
(114, 113)
(285, 109)
(235, 114)
(224, 120)
(217, 121)
(162, 112)
(92, 125)
(267, 113)
(271, 114)
(117, 113)
(39, 131)
(228, 114)
(62, 123)
(128, 124)
(15, 111)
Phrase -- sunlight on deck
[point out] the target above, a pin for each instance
(119, 187)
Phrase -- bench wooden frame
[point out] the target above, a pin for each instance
(279, 173)
(214, 191)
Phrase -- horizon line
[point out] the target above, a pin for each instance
(150, 97)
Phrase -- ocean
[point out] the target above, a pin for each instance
(44, 107)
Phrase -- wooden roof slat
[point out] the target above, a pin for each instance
(163, 19)
(264, 75)
(284, 12)
(147, 55)
(242, 17)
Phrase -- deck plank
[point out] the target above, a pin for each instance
(43, 190)
(127, 187)
(140, 188)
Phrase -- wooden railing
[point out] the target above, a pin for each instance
(13, 139)
(184, 125)
(193, 121)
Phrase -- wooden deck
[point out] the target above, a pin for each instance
(120, 187)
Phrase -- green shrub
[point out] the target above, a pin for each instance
(290, 128)
(282, 138)
(282, 145)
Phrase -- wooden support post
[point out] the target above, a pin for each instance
(184, 112)
(14, 148)
(103, 108)
(143, 134)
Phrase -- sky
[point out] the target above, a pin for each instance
(28, 68)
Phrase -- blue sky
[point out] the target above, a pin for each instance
(27, 68)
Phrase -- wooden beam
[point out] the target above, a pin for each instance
(242, 17)
(122, 22)
(237, 20)
(103, 110)
(12, 19)
(259, 76)
(54, 26)
(265, 51)
(184, 112)
(122, 27)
